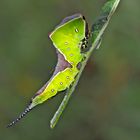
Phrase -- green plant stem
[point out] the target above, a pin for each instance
(95, 40)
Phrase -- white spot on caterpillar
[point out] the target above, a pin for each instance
(76, 30)
(61, 83)
(68, 77)
(68, 49)
(52, 90)
(71, 64)
(71, 54)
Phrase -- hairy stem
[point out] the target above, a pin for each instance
(97, 31)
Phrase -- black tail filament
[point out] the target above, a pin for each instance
(23, 114)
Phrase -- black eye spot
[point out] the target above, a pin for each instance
(76, 30)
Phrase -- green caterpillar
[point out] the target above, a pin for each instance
(69, 38)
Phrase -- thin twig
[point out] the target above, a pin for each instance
(95, 40)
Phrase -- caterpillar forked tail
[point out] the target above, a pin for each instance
(23, 114)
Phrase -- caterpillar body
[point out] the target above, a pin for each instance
(69, 37)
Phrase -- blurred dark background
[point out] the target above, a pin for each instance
(106, 103)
